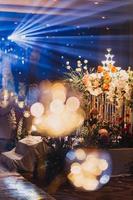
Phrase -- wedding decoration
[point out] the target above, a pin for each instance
(107, 91)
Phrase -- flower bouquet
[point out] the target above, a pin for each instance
(107, 92)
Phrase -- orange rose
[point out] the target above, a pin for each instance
(107, 80)
(105, 86)
(107, 77)
(114, 69)
(100, 69)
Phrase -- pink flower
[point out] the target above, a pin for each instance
(103, 132)
(85, 80)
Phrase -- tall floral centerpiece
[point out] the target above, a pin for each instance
(108, 91)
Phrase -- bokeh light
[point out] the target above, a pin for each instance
(37, 109)
(73, 104)
(71, 155)
(75, 168)
(56, 125)
(80, 154)
(88, 169)
(59, 92)
(56, 106)
(33, 128)
(53, 125)
(62, 116)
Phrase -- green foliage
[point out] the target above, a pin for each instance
(55, 160)
(21, 130)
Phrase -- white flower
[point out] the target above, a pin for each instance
(67, 62)
(118, 68)
(68, 67)
(78, 69)
(71, 80)
(123, 75)
(99, 75)
(85, 67)
(93, 76)
(79, 62)
(127, 96)
(85, 61)
(95, 92)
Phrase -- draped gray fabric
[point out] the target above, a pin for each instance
(26, 154)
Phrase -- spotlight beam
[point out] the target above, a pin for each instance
(81, 16)
(62, 20)
(34, 17)
(57, 48)
(61, 41)
(34, 20)
(75, 40)
(107, 22)
(26, 17)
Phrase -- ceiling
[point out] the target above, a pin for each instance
(78, 12)
(105, 14)
(65, 6)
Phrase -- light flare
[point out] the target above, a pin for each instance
(90, 171)
(37, 109)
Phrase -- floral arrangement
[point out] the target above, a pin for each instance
(109, 79)
(109, 90)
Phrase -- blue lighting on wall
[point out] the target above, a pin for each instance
(40, 44)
